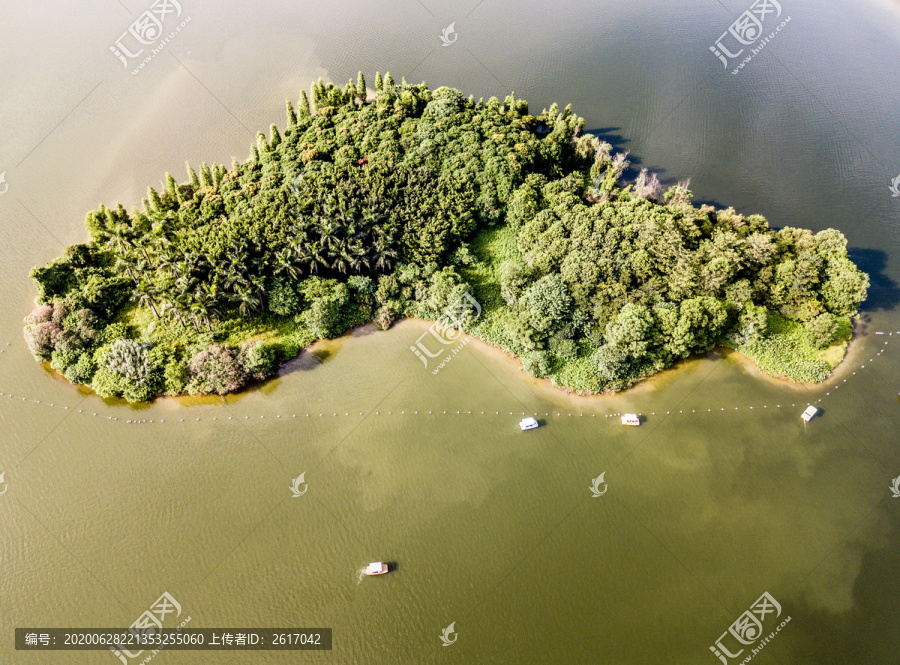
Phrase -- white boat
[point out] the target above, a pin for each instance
(631, 419)
(528, 423)
(377, 568)
(809, 413)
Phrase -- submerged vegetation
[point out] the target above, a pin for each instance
(374, 206)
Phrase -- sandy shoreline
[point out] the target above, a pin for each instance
(852, 351)
(318, 352)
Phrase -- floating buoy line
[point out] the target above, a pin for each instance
(354, 414)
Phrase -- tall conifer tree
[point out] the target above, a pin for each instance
(205, 175)
(291, 115)
(303, 106)
(192, 175)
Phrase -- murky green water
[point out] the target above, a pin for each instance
(707, 506)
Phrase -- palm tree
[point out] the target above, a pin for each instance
(345, 217)
(143, 294)
(285, 262)
(209, 293)
(328, 232)
(359, 257)
(173, 309)
(314, 255)
(168, 261)
(258, 286)
(119, 240)
(183, 270)
(341, 259)
(385, 253)
(199, 308)
(126, 264)
(141, 264)
(247, 301)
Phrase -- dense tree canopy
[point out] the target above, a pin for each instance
(367, 207)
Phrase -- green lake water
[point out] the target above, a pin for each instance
(707, 506)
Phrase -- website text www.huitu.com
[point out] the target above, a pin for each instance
(764, 641)
(760, 46)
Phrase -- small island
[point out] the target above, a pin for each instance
(376, 205)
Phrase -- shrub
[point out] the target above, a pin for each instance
(40, 314)
(361, 284)
(82, 371)
(383, 318)
(283, 298)
(820, 331)
(138, 392)
(172, 368)
(84, 324)
(463, 256)
(566, 349)
(647, 186)
(388, 287)
(41, 338)
(218, 369)
(61, 359)
(753, 324)
(104, 294)
(260, 359)
(631, 331)
(324, 318)
(126, 370)
(130, 359)
(445, 289)
(174, 376)
(612, 363)
(537, 364)
(107, 383)
(547, 302)
(111, 333)
(522, 334)
(738, 294)
(513, 277)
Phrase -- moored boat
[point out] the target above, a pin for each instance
(377, 568)
(631, 419)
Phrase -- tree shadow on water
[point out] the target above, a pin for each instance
(884, 292)
(610, 135)
(618, 142)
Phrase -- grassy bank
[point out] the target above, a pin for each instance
(786, 353)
